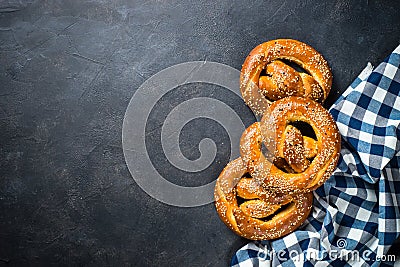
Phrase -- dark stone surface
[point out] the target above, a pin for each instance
(67, 72)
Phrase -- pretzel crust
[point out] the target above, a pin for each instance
(249, 218)
(282, 80)
(281, 114)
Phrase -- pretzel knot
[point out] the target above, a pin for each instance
(254, 212)
(266, 77)
(299, 163)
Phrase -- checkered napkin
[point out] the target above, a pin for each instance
(356, 213)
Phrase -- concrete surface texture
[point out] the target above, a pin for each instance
(68, 70)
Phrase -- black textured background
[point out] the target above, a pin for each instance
(67, 72)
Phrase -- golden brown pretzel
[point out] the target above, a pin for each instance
(281, 80)
(300, 164)
(255, 218)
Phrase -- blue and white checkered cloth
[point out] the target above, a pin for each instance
(356, 213)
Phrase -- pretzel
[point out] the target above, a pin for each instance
(265, 77)
(298, 164)
(256, 218)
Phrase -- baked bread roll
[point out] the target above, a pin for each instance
(298, 163)
(266, 76)
(242, 204)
